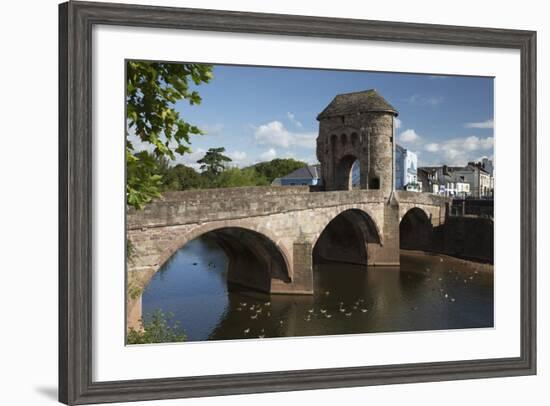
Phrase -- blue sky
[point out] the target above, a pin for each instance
(260, 113)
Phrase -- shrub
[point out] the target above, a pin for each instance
(157, 329)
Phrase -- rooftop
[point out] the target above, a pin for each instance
(471, 167)
(306, 172)
(364, 101)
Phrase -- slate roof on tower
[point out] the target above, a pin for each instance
(365, 101)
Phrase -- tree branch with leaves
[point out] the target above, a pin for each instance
(152, 90)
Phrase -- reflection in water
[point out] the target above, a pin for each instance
(428, 292)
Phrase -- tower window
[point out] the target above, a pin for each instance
(354, 138)
(374, 183)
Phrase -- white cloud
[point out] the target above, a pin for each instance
(397, 122)
(310, 159)
(475, 143)
(275, 134)
(409, 136)
(268, 155)
(238, 159)
(432, 147)
(292, 118)
(237, 155)
(211, 129)
(190, 159)
(483, 124)
(459, 151)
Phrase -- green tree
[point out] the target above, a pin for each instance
(181, 177)
(213, 162)
(236, 177)
(152, 89)
(143, 181)
(158, 329)
(277, 168)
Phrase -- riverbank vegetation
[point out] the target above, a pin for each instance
(158, 328)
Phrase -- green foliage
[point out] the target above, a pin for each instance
(158, 329)
(236, 177)
(130, 251)
(134, 291)
(142, 179)
(181, 177)
(213, 162)
(152, 89)
(277, 168)
(215, 174)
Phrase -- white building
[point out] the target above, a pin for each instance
(406, 163)
(478, 179)
(489, 167)
(445, 180)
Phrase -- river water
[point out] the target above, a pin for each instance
(427, 292)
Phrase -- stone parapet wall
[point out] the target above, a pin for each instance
(421, 198)
(200, 206)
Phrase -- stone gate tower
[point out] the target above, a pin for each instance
(357, 126)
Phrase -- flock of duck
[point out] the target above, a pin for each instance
(263, 310)
(347, 312)
(440, 279)
(256, 310)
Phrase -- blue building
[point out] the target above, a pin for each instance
(406, 164)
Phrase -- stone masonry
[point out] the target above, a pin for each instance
(286, 223)
(357, 126)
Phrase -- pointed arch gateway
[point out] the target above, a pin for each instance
(345, 172)
(346, 238)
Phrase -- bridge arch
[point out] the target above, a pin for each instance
(415, 229)
(345, 237)
(255, 257)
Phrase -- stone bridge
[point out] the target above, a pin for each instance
(272, 235)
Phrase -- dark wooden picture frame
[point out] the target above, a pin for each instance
(76, 20)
